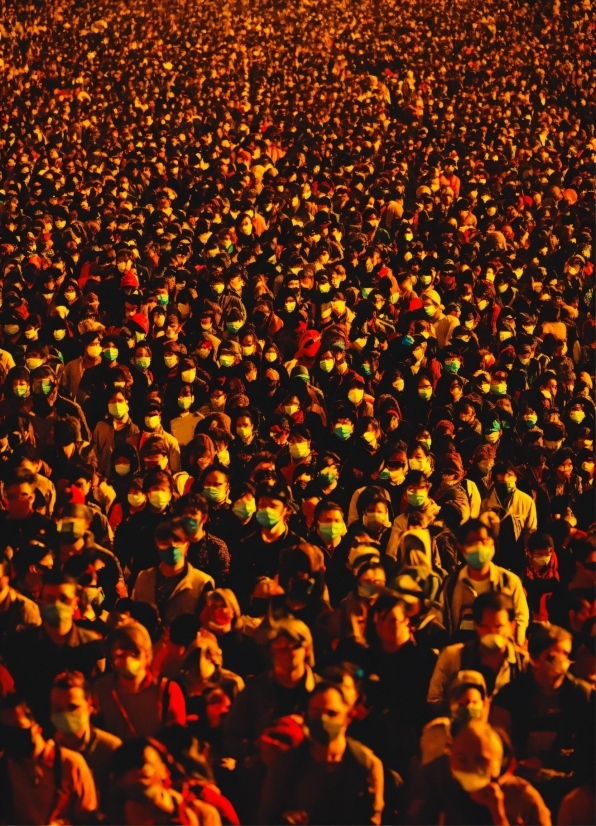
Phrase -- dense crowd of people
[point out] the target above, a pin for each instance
(297, 365)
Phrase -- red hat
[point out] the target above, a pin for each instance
(310, 341)
(129, 279)
(141, 321)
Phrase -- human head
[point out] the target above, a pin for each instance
(476, 756)
(70, 704)
(549, 647)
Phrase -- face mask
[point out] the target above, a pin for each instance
(298, 450)
(425, 393)
(184, 310)
(331, 530)
(355, 396)
(398, 385)
(160, 499)
(110, 354)
(56, 614)
(244, 510)
(224, 457)
(215, 495)
(59, 335)
(11, 329)
(470, 324)
(291, 409)
(218, 288)
(68, 722)
(19, 743)
(271, 356)
(530, 421)
(122, 468)
(130, 669)
(218, 402)
(94, 350)
(234, 326)
(499, 389)
(22, 390)
(143, 362)
(478, 555)
(504, 335)
(463, 714)
(248, 350)
(471, 781)
(324, 730)
(542, 561)
(172, 555)
(152, 422)
(191, 524)
(418, 464)
(268, 517)
(118, 409)
(33, 363)
(430, 311)
(71, 532)
(492, 437)
(426, 442)
(170, 361)
(343, 431)
(577, 416)
(162, 299)
(416, 498)
(588, 466)
(482, 304)
(494, 642)
(136, 500)
(30, 334)
(504, 489)
(375, 521)
(367, 590)
(188, 376)
(369, 437)
(452, 366)
(326, 365)
(44, 387)
(425, 280)
(244, 432)
(226, 360)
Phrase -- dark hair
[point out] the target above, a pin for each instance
(192, 500)
(538, 541)
(542, 636)
(19, 476)
(72, 679)
(156, 477)
(491, 601)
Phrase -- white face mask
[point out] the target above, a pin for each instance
(471, 781)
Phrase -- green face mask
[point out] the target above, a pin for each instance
(184, 402)
(143, 362)
(234, 326)
(326, 365)
(425, 393)
(110, 354)
(328, 474)
(331, 530)
(343, 431)
(268, 517)
(226, 360)
(215, 495)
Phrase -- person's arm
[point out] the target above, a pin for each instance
(445, 669)
(174, 454)
(83, 797)
(176, 711)
(521, 609)
(239, 726)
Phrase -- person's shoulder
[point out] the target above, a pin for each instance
(86, 636)
(106, 740)
(363, 754)
(579, 688)
(74, 763)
